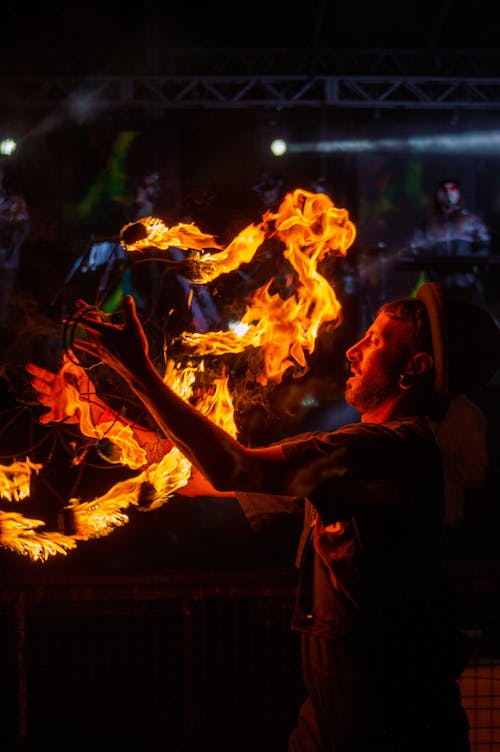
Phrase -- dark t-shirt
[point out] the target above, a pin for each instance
(370, 557)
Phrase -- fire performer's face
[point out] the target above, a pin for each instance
(376, 362)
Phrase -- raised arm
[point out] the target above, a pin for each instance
(69, 397)
(226, 463)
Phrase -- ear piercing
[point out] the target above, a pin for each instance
(404, 381)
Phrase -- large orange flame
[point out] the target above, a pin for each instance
(309, 227)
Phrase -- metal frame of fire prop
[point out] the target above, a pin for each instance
(276, 333)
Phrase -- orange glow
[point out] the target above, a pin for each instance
(73, 403)
(218, 406)
(99, 517)
(159, 235)
(310, 228)
(208, 266)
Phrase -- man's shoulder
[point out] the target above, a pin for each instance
(398, 429)
(414, 423)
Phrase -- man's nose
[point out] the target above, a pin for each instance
(352, 351)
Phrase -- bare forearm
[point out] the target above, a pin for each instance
(224, 461)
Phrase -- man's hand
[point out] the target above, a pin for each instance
(70, 397)
(61, 392)
(122, 347)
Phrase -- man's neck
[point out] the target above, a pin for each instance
(390, 409)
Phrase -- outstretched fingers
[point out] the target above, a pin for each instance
(39, 374)
(41, 380)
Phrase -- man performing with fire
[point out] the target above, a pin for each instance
(381, 653)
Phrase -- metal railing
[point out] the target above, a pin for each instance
(191, 661)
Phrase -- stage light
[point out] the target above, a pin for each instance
(472, 142)
(278, 147)
(7, 146)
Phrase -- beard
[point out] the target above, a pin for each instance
(365, 393)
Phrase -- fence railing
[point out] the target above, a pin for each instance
(189, 661)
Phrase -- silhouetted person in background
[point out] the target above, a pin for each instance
(147, 196)
(453, 232)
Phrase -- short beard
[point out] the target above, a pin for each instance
(367, 395)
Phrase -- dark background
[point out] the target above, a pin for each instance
(81, 152)
(176, 626)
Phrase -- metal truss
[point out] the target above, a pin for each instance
(273, 78)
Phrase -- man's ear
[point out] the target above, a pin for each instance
(420, 363)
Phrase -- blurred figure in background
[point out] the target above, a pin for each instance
(462, 438)
(465, 435)
(14, 229)
(453, 231)
(147, 196)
